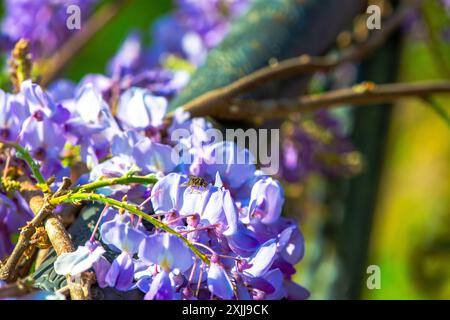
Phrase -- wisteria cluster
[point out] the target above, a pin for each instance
(79, 123)
(316, 144)
(188, 33)
(235, 218)
(181, 41)
(42, 22)
(111, 125)
(250, 248)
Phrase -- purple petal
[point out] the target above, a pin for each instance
(242, 242)
(209, 204)
(90, 104)
(101, 268)
(62, 90)
(120, 274)
(261, 284)
(266, 200)
(285, 267)
(122, 236)
(262, 260)
(295, 291)
(129, 58)
(294, 250)
(231, 213)
(139, 109)
(60, 115)
(36, 98)
(154, 157)
(235, 165)
(242, 292)
(167, 193)
(218, 282)
(167, 251)
(144, 284)
(275, 278)
(161, 288)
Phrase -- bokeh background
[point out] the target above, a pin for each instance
(409, 235)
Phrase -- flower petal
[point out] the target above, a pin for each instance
(266, 200)
(161, 288)
(262, 260)
(121, 235)
(275, 278)
(235, 165)
(120, 274)
(101, 268)
(74, 263)
(295, 291)
(167, 193)
(167, 251)
(219, 283)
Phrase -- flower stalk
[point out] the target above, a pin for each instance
(76, 197)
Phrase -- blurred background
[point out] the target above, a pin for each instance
(394, 211)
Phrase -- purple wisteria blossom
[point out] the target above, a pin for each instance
(234, 220)
(122, 237)
(140, 109)
(247, 249)
(316, 145)
(169, 255)
(14, 213)
(42, 22)
(194, 28)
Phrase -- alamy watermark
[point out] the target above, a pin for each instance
(374, 278)
(374, 20)
(263, 146)
(73, 21)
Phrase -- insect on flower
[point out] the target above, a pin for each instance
(196, 183)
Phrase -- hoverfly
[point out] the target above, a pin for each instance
(196, 183)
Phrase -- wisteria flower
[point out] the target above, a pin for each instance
(42, 22)
(218, 281)
(14, 213)
(124, 238)
(236, 166)
(266, 200)
(140, 109)
(81, 260)
(171, 255)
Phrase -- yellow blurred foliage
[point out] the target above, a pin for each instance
(410, 240)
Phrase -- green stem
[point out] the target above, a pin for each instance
(25, 155)
(73, 197)
(151, 179)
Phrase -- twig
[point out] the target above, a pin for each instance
(57, 235)
(151, 179)
(8, 270)
(43, 210)
(73, 46)
(218, 99)
(363, 94)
